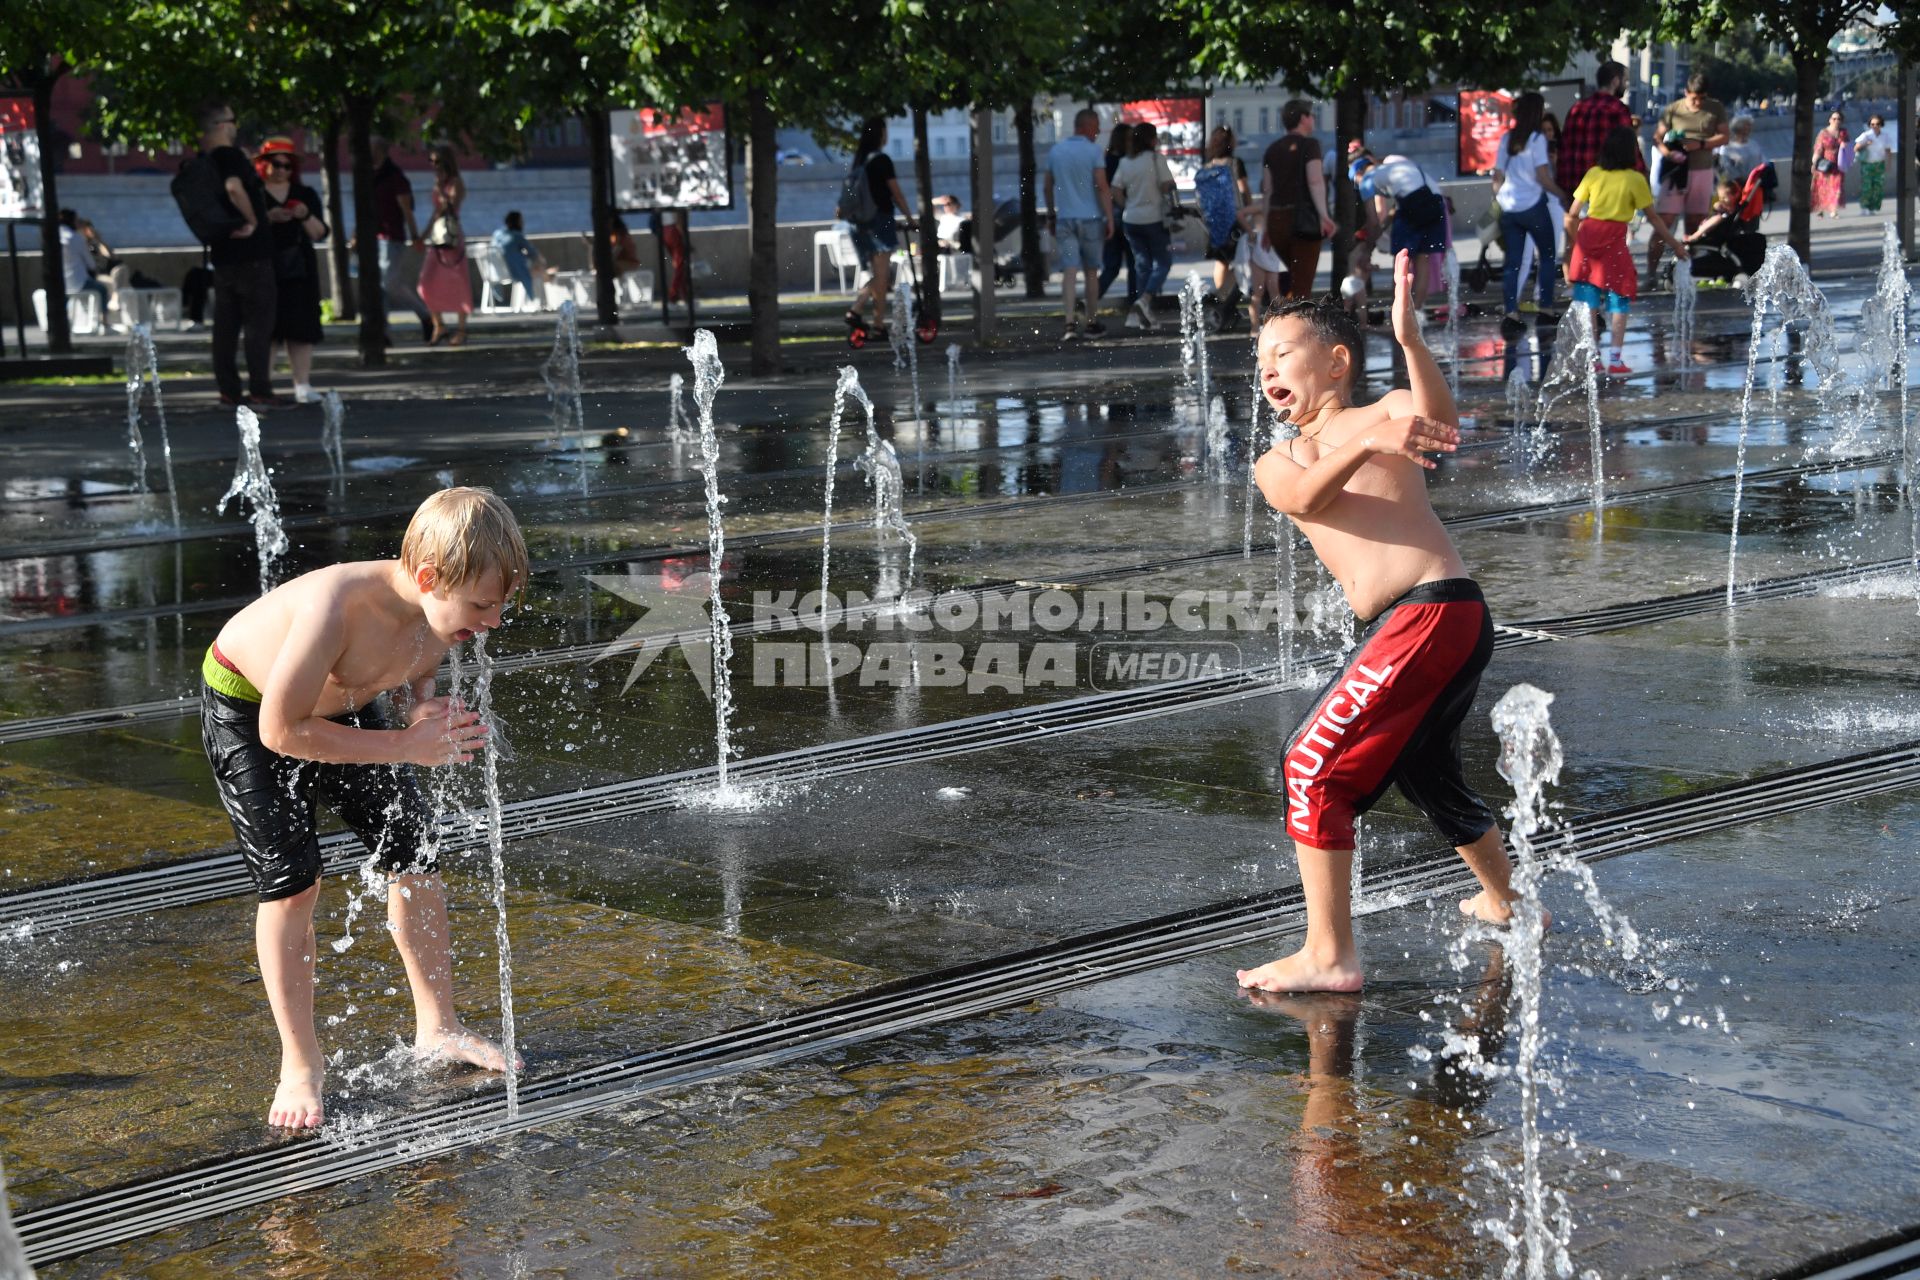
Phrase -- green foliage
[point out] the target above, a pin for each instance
(1739, 66)
(1321, 49)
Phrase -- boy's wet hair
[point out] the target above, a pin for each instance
(1331, 324)
(466, 534)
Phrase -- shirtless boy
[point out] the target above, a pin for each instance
(292, 714)
(1354, 482)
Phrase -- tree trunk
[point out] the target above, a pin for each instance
(366, 237)
(1808, 71)
(983, 246)
(53, 267)
(606, 299)
(337, 252)
(763, 235)
(929, 234)
(1349, 125)
(1033, 263)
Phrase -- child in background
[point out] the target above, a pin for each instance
(1601, 268)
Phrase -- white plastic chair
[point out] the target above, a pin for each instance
(956, 271)
(496, 279)
(83, 311)
(837, 242)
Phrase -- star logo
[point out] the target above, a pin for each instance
(675, 615)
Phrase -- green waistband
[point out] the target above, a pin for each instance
(224, 680)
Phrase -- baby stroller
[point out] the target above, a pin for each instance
(925, 327)
(1732, 245)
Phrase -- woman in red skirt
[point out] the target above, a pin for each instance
(1601, 268)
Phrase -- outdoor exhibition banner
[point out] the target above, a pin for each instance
(1182, 124)
(19, 161)
(666, 161)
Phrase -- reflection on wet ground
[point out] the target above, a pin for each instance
(1158, 1124)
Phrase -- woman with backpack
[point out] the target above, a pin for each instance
(1523, 185)
(1220, 184)
(867, 201)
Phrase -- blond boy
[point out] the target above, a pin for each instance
(292, 713)
(1354, 481)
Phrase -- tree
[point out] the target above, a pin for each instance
(1346, 53)
(368, 63)
(1740, 66)
(767, 68)
(1806, 29)
(39, 43)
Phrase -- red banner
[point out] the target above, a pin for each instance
(1182, 125)
(1485, 115)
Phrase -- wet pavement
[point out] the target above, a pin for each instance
(1735, 1102)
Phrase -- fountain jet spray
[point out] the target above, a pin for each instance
(494, 748)
(143, 372)
(254, 482)
(1575, 357)
(561, 373)
(708, 374)
(333, 418)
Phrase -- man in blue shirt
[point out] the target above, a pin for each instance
(1080, 215)
(520, 255)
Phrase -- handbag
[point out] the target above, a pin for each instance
(1824, 165)
(1306, 221)
(444, 231)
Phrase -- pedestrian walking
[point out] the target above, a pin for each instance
(294, 224)
(399, 234)
(1523, 186)
(1588, 123)
(1117, 252)
(1220, 185)
(443, 271)
(1870, 152)
(1295, 185)
(1829, 174)
(244, 297)
(522, 259)
(1145, 183)
(1080, 215)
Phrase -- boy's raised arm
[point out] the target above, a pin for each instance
(1431, 398)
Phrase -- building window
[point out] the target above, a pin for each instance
(940, 146)
(1239, 121)
(1264, 121)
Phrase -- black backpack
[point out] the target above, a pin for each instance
(201, 193)
(857, 204)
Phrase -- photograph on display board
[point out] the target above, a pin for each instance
(1182, 126)
(19, 162)
(1485, 116)
(666, 161)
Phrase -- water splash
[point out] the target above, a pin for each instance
(679, 429)
(13, 1258)
(1520, 397)
(561, 373)
(903, 316)
(847, 386)
(953, 377)
(1283, 572)
(143, 372)
(1253, 455)
(708, 374)
(496, 851)
(1193, 358)
(1783, 285)
(254, 482)
(1883, 347)
(1537, 1226)
(1217, 433)
(1685, 295)
(882, 466)
(333, 442)
(1576, 357)
(1452, 269)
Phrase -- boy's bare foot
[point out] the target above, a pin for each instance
(296, 1103)
(1489, 910)
(1301, 972)
(458, 1044)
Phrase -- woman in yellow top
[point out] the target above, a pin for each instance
(1601, 268)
